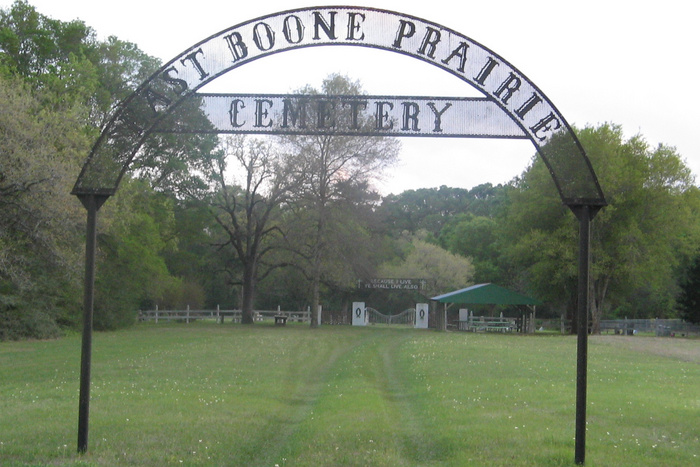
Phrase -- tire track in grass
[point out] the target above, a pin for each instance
(421, 444)
(356, 408)
(305, 393)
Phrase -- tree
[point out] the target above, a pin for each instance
(432, 209)
(46, 52)
(689, 298)
(248, 212)
(136, 228)
(194, 261)
(68, 63)
(426, 209)
(325, 165)
(40, 258)
(638, 241)
(442, 270)
(58, 85)
(475, 237)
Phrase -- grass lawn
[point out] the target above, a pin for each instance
(228, 395)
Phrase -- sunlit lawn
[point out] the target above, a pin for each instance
(208, 394)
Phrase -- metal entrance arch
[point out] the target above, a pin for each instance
(506, 92)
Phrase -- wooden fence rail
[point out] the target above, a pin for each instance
(188, 315)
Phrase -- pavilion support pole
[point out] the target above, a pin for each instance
(92, 203)
(444, 317)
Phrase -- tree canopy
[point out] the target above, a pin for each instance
(201, 221)
(689, 298)
(638, 241)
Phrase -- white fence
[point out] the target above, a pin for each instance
(405, 317)
(188, 315)
(660, 327)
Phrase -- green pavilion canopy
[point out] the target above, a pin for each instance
(486, 294)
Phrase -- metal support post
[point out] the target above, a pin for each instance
(92, 203)
(584, 214)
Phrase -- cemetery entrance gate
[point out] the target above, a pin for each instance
(511, 107)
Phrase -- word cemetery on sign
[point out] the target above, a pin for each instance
(350, 115)
(394, 284)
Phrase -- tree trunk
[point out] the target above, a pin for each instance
(319, 247)
(315, 299)
(316, 280)
(600, 289)
(248, 293)
(570, 314)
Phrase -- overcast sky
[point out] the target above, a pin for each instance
(628, 62)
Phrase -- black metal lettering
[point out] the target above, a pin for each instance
(355, 106)
(461, 53)
(410, 116)
(192, 57)
(295, 114)
(165, 76)
(509, 86)
(294, 33)
(438, 115)
(548, 123)
(329, 29)
(486, 71)
(236, 45)
(266, 40)
(156, 101)
(430, 41)
(355, 26)
(325, 117)
(236, 106)
(528, 106)
(262, 113)
(406, 29)
(383, 122)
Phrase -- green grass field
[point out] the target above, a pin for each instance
(228, 395)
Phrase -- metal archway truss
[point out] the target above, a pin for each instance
(511, 107)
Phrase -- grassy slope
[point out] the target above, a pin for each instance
(206, 394)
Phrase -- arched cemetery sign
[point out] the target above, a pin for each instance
(511, 106)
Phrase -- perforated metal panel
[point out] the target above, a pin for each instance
(511, 107)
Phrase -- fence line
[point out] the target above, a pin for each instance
(219, 315)
(336, 317)
(659, 327)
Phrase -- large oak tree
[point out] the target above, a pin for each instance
(326, 165)
(638, 241)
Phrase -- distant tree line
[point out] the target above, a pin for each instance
(295, 222)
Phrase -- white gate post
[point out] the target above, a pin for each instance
(359, 314)
(421, 316)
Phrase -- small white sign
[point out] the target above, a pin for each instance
(421, 315)
(359, 314)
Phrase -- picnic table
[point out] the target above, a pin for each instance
(280, 320)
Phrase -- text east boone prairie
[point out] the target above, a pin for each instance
(373, 28)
